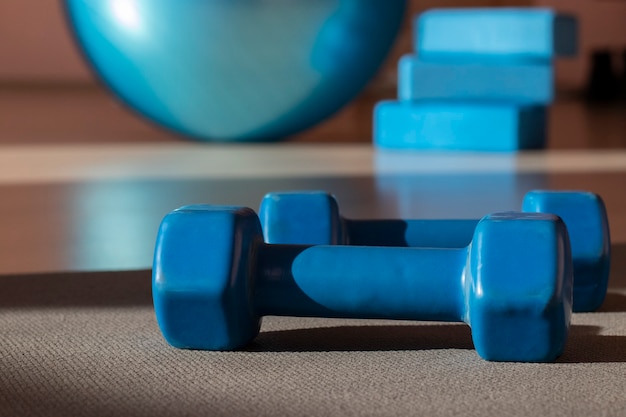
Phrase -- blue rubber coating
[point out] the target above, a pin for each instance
(584, 213)
(525, 83)
(292, 218)
(499, 33)
(463, 126)
(235, 70)
(313, 218)
(194, 243)
(214, 277)
(499, 256)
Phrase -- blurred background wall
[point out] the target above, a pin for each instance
(35, 46)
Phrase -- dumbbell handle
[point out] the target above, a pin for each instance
(412, 233)
(360, 282)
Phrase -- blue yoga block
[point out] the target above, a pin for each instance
(517, 82)
(478, 126)
(524, 33)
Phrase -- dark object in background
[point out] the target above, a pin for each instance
(622, 78)
(603, 83)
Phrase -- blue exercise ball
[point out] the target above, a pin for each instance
(235, 70)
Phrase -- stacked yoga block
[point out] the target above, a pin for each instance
(479, 80)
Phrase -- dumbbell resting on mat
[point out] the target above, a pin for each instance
(214, 278)
(313, 218)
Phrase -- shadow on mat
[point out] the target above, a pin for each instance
(77, 289)
(585, 344)
(613, 303)
(365, 338)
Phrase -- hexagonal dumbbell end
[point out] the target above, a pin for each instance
(200, 277)
(519, 287)
(301, 218)
(587, 223)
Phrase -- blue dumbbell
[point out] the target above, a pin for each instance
(214, 278)
(312, 217)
